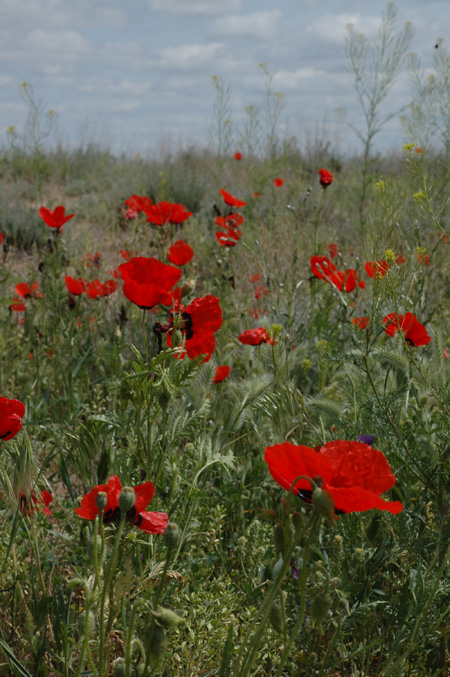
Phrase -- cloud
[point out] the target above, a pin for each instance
(292, 80)
(189, 57)
(128, 88)
(4, 79)
(332, 27)
(63, 42)
(207, 7)
(126, 106)
(260, 25)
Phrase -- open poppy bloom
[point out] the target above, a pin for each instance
(75, 286)
(325, 178)
(180, 253)
(92, 260)
(231, 200)
(138, 204)
(148, 282)
(17, 305)
(29, 504)
(221, 374)
(165, 212)
(11, 415)
(238, 156)
(201, 319)
(56, 218)
(361, 322)
(27, 291)
(95, 288)
(353, 474)
(376, 269)
(278, 182)
(229, 238)
(233, 220)
(150, 522)
(414, 332)
(255, 337)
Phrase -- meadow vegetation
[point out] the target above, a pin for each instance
(272, 547)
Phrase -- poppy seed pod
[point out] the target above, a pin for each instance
(168, 618)
(172, 536)
(101, 500)
(126, 499)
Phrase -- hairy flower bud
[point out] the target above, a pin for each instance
(276, 617)
(119, 668)
(188, 287)
(323, 503)
(168, 618)
(157, 641)
(320, 607)
(126, 499)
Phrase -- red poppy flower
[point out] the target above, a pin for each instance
(1, 238)
(233, 220)
(260, 292)
(255, 337)
(325, 178)
(221, 374)
(349, 280)
(229, 238)
(125, 254)
(115, 273)
(27, 291)
(56, 218)
(129, 214)
(414, 332)
(150, 522)
(139, 203)
(256, 312)
(92, 260)
(377, 269)
(95, 288)
(17, 305)
(278, 182)
(238, 156)
(324, 269)
(254, 278)
(230, 200)
(352, 473)
(11, 414)
(180, 253)
(148, 281)
(29, 504)
(424, 258)
(165, 212)
(399, 259)
(256, 194)
(361, 322)
(75, 286)
(201, 319)
(333, 249)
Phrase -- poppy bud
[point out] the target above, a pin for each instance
(278, 537)
(101, 500)
(323, 503)
(75, 583)
(126, 499)
(168, 618)
(177, 338)
(320, 607)
(158, 641)
(119, 668)
(163, 400)
(81, 624)
(140, 670)
(188, 287)
(276, 617)
(91, 545)
(172, 536)
(297, 521)
(277, 568)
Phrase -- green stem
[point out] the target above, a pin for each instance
(129, 639)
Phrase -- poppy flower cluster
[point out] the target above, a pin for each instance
(150, 522)
(344, 281)
(353, 474)
(230, 234)
(28, 504)
(93, 289)
(180, 253)
(23, 291)
(148, 282)
(200, 320)
(139, 203)
(56, 218)
(11, 415)
(413, 331)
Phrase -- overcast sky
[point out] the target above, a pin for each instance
(133, 73)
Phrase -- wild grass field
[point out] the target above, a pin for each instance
(225, 408)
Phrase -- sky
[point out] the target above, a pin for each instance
(136, 75)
